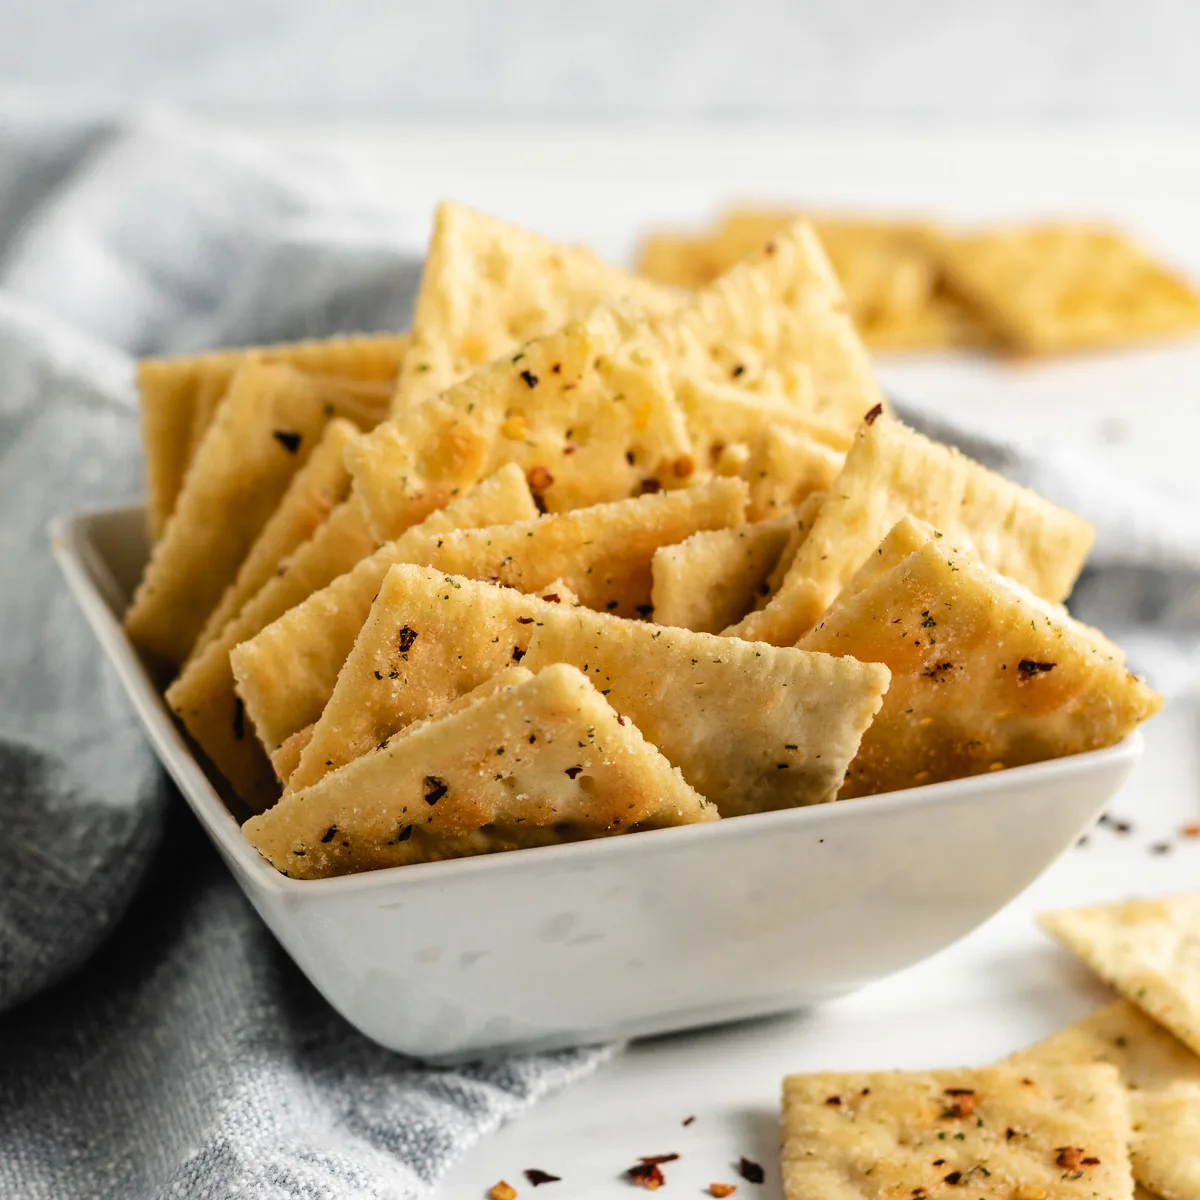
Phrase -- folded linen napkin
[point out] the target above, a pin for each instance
(154, 1040)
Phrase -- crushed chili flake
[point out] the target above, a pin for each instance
(833, 1101)
(539, 479)
(435, 789)
(1010, 1133)
(683, 466)
(517, 654)
(750, 1171)
(571, 772)
(939, 1162)
(551, 597)
(537, 1178)
(502, 1191)
(1070, 1158)
(524, 620)
(875, 412)
(646, 1175)
(1191, 830)
(650, 486)
(289, 441)
(404, 834)
(954, 1177)
(1027, 668)
(738, 370)
(686, 1120)
(962, 1103)
(658, 1158)
(721, 1190)
(406, 637)
(531, 380)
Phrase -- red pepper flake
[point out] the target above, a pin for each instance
(404, 834)
(556, 369)
(686, 1120)
(1191, 830)
(1010, 1133)
(658, 1159)
(289, 441)
(502, 1191)
(721, 1190)
(435, 789)
(517, 654)
(962, 1103)
(650, 486)
(954, 1177)
(1027, 668)
(683, 466)
(875, 412)
(738, 371)
(407, 636)
(537, 1178)
(551, 597)
(1070, 1158)
(524, 620)
(750, 1171)
(571, 772)
(939, 1162)
(769, 249)
(539, 480)
(646, 1175)
(833, 1101)
(530, 378)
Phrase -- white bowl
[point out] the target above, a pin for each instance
(627, 936)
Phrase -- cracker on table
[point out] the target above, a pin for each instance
(588, 412)
(751, 727)
(1149, 950)
(543, 760)
(287, 671)
(991, 1133)
(488, 287)
(984, 675)
(203, 697)
(891, 472)
(1163, 1078)
(1064, 286)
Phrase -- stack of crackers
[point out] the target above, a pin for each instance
(1106, 1109)
(912, 284)
(580, 555)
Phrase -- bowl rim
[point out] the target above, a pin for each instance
(78, 558)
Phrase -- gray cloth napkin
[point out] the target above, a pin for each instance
(154, 1040)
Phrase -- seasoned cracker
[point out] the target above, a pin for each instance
(287, 672)
(316, 489)
(711, 580)
(1163, 1078)
(489, 287)
(588, 413)
(203, 697)
(751, 727)
(985, 675)
(892, 472)
(541, 761)
(801, 522)
(992, 1133)
(779, 309)
(179, 395)
(1149, 950)
(784, 469)
(429, 639)
(264, 432)
(1062, 286)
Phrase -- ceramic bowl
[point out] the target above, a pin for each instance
(625, 936)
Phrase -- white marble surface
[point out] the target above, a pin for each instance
(895, 60)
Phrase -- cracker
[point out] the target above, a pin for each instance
(1163, 1078)
(264, 431)
(682, 260)
(892, 471)
(784, 469)
(287, 672)
(179, 395)
(429, 639)
(588, 413)
(1149, 950)
(710, 580)
(316, 489)
(781, 307)
(489, 287)
(801, 522)
(542, 761)
(992, 1133)
(751, 727)
(889, 269)
(286, 758)
(984, 674)
(203, 696)
(1067, 286)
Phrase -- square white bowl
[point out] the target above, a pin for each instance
(625, 936)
